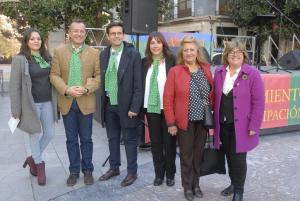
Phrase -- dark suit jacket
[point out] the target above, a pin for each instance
(130, 87)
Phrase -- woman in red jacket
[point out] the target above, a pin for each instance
(188, 90)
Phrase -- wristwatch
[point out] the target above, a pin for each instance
(86, 90)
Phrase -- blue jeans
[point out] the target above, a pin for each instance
(113, 130)
(39, 141)
(76, 124)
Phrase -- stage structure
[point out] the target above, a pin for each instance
(295, 40)
(97, 37)
(269, 54)
(219, 41)
(259, 20)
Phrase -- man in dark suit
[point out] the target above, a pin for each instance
(121, 100)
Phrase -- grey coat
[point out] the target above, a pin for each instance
(21, 100)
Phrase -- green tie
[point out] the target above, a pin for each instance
(75, 68)
(111, 76)
(154, 98)
(40, 60)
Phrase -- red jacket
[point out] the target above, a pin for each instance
(176, 94)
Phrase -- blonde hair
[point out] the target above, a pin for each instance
(230, 45)
(190, 39)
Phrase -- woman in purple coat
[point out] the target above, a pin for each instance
(239, 107)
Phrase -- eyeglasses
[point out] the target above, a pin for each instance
(78, 31)
(237, 52)
(116, 34)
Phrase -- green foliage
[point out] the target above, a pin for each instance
(8, 43)
(51, 15)
(242, 11)
(165, 6)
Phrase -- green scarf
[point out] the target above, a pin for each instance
(75, 67)
(111, 76)
(40, 60)
(154, 97)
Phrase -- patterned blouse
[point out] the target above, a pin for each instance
(199, 95)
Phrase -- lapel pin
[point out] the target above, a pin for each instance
(245, 77)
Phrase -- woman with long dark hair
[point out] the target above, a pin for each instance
(33, 99)
(156, 65)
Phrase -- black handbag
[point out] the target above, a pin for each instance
(213, 160)
(208, 117)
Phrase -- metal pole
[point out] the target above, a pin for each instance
(211, 37)
(138, 42)
(281, 13)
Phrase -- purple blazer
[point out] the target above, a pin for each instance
(248, 104)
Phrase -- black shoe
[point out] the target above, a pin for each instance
(188, 194)
(72, 179)
(88, 178)
(198, 193)
(145, 147)
(228, 191)
(129, 179)
(170, 182)
(157, 181)
(109, 174)
(237, 197)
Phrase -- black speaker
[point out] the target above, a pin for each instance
(140, 16)
(291, 60)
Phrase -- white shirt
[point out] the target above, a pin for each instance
(161, 80)
(229, 81)
(76, 49)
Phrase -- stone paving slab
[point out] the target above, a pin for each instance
(273, 174)
(273, 171)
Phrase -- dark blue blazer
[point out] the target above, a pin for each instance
(130, 87)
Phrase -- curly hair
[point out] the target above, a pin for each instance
(200, 59)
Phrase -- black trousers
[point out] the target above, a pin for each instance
(163, 146)
(113, 130)
(237, 162)
(191, 144)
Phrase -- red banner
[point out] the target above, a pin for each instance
(277, 100)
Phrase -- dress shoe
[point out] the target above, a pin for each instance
(109, 174)
(170, 182)
(228, 191)
(88, 178)
(145, 147)
(72, 179)
(188, 194)
(129, 179)
(198, 193)
(157, 181)
(237, 197)
(32, 166)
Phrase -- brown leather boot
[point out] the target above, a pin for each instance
(32, 167)
(41, 175)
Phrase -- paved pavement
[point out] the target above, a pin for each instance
(273, 171)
